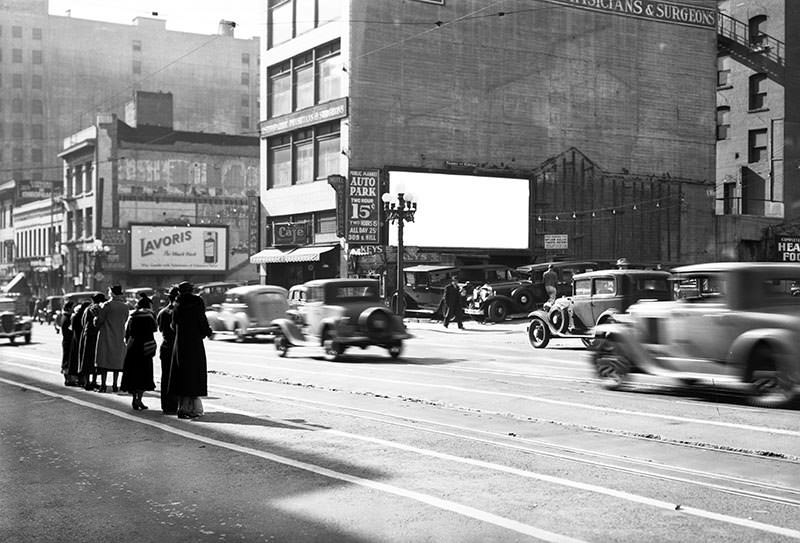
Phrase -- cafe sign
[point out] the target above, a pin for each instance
(291, 233)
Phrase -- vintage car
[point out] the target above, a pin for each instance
(13, 325)
(564, 269)
(423, 289)
(597, 297)
(214, 293)
(499, 294)
(248, 311)
(738, 323)
(48, 310)
(341, 313)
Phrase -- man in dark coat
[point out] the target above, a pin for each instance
(188, 379)
(89, 343)
(76, 323)
(452, 303)
(169, 404)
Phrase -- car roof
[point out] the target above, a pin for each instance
(428, 268)
(139, 289)
(81, 294)
(299, 287)
(248, 289)
(616, 271)
(353, 282)
(217, 284)
(556, 264)
(709, 267)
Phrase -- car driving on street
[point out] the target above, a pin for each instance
(733, 322)
(13, 325)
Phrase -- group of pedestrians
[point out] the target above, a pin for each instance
(103, 335)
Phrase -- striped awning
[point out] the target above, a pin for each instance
(301, 254)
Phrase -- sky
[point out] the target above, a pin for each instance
(198, 16)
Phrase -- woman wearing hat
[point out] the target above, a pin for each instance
(188, 379)
(137, 375)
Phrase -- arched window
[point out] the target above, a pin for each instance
(757, 26)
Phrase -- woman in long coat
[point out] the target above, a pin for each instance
(65, 324)
(89, 343)
(110, 322)
(76, 323)
(188, 379)
(169, 404)
(137, 377)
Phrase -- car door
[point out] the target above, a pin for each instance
(582, 301)
(313, 310)
(605, 295)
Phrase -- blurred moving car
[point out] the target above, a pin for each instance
(132, 295)
(13, 325)
(341, 313)
(733, 322)
(214, 293)
(597, 297)
(248, 311)
(297, 299)
(49, 309)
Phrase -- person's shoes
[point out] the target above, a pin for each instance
(142, 406)
(184, 416)
(445, 325)
(135, 405)
(460, 327)
(102, 389)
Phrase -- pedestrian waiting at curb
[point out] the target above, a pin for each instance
(188, 378)
(76, 323)
(137, 375)
(65, 324)
(169, 403)
(87, 369)
(452, 304)
(110, 322)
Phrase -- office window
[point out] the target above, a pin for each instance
(327, 150)
(245, 78)
(304, 157)
(37, 131)
(89, 230)
(245, 58)
(87, 177)
(36, 56)
(70, 225)
(327, 11)
(757, 145)
(305, 16)
(245, 122)
(79, 224)
(279, 20)
(16, 55)
(758, 91)
(16, 81)
(37, 107)
(728, 198)
(245, 100)
(17, 130)
(325, 223)
(137, 45)
(36, 81)
(279, 81)
(16, 105)
(36, 155)
(137, 66)
(16, 31)
(77, 173)
(329, 78)
(36, 33)
(280, 162)
(304, 83)
(17, 156)
(67, 181)
(723, 122)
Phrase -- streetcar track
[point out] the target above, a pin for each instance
(381, 417)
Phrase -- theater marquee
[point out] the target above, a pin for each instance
(653, 10)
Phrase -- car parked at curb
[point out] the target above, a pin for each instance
(12, 325)
(733, 323)
(342, 313)
(248, 311)
(499, 293)
(597, 297)
(565, 270)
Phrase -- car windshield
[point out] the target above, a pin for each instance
(499, 275)
(705, 287)
(354, 291)
(652, 284)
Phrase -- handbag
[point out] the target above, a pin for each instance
(149, 348)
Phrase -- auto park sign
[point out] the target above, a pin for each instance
(789, 248)
(363, 207)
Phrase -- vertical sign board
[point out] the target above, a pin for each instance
(253, 223)
(789, 248)
(338, 184)
(364, 207)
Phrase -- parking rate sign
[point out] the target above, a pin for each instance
(363, 207)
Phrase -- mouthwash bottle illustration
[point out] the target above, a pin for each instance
(210, 247)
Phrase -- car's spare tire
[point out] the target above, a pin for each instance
(376, 321)
(559, 318)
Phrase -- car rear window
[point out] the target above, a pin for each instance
(604, 286)
(652, 284)
(360, 291)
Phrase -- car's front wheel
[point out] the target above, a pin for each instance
(333, 349)
(769, 386)
(496, 311)
(538, 333)
(396, 350)
(612, 369)
(281, 345)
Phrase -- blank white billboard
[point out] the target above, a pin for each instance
(466, 211)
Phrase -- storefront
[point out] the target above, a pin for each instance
(292, 266)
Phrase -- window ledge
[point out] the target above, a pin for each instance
(724, 87)
(758, 110)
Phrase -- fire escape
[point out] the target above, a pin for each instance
(756, 50)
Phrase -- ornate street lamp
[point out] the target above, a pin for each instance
(98, 251)
(401, 212)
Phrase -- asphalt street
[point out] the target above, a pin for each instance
(471, 436)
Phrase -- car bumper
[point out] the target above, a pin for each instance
(474, 311)
(361, 340)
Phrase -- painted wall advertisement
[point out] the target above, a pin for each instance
(363, 207)
(169, 248)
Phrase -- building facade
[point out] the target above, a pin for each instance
(57, 73)
(141, 199)
(607, 112)
(758, 127)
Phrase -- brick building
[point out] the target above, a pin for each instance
(608, 112)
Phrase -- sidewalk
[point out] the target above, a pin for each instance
(514, 325)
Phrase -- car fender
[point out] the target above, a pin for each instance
(293, 334)
(538, 313)
(544, 316)
(505, 299)
(783, 342)
(527, 290)
(607, 315)
(624, 343)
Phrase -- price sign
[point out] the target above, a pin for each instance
(363, 207)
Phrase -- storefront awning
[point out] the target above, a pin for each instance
(301, 254)
(307, 254)
(17, 284)
(269, 256)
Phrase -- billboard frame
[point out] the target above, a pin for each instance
(166, 271)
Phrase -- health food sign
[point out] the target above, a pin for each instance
(363, 207)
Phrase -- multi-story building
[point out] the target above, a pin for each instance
(603, 110)
(57, 73)
(37, 244)
(758, 128)
(146, 204)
